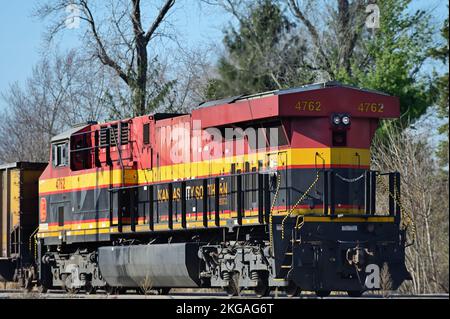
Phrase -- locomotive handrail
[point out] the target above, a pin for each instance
(102, 129)
(89, 148)
(90, 132)
(384, 174)
(32, 240)
(205, 194)
(298, 202)
(182, 180)
(264, 196)
(401, 215)
(119, 212)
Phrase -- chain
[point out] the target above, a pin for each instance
(350, 180)
(297, 203)
(406, 218)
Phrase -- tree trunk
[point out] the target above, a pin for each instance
(139, 91)
(140, 87)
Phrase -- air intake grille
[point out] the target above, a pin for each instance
(146, 133)
(114, 135)
(103, 137)
(124, 133)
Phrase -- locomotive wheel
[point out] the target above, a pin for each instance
(28, 285)
(89, 289)
(73, 291)
(163, 291)
(26, 281)
(262, 289)
(292, 290)
(21, 282)
(121, 291)
(67, 284)
(110, 290)
(355, 293)
(140, 291)
(63, 281)
(233, 288)
(42, 289)
(323, 293)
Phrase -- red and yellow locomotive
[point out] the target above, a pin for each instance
(251, 192)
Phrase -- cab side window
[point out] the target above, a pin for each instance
(60, 154)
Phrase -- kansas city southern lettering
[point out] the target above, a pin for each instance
(192, 192)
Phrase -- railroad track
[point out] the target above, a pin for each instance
(20, 294)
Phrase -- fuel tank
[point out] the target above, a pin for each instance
(159, 265)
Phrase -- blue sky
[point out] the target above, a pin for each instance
(19, 38)
(21, 33)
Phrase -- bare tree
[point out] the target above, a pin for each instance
(335, 47)
(146, 285)
(53, 98)
(119, 40)
(424, 201)
(196, 69)
(385, 281)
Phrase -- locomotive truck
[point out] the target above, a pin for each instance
(263, 191)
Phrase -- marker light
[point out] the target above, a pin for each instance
(336, 120)
(346, 120)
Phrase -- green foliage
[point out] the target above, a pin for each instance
(391, 57)
(118, 102)
(158, 88)
(441, 89)
(123, 102)
(159, 98)
(260, 56)
(266, 53)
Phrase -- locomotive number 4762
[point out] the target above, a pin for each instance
(60, 183)
(371, 107)
(312, 106)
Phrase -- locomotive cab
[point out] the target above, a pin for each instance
(333, 237)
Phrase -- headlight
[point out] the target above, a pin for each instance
(336, 120)
(346, 120)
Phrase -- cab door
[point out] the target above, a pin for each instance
(277, 166)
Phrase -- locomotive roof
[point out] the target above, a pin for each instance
(304, 88)
(23, 165)
(68, 133)
(222, 112)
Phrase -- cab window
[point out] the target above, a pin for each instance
(60, 154)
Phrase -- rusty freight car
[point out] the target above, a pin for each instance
(19, 184)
